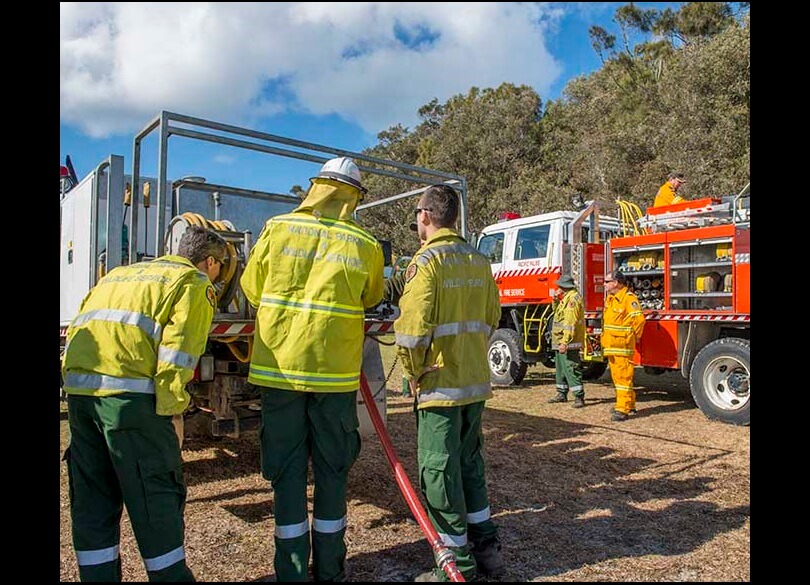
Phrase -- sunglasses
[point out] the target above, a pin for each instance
(418, 210)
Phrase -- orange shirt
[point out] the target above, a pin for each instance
(666, 196)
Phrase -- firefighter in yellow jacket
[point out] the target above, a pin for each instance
(668, 192)
(130, 352)
(449, 307)
(311, 275)
(568, 334)
(622, 326)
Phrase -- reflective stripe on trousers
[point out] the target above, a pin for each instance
(621, 371)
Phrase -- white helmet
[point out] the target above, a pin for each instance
(341, 169)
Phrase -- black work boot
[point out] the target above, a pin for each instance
(559, 398)
(618, 416)
(579, 402)
(488, 558)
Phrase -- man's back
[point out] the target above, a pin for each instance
(312, 279)
(122, 319)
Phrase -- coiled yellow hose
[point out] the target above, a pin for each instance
(629, 213)
(227, 272)
(229, 268)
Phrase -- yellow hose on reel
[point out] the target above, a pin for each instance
(629, 213)
(242, 357)
(229, 268)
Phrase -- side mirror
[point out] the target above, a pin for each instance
(386, 247)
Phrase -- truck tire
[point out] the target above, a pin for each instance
(593, 370)
(720, 380)
(505, 357)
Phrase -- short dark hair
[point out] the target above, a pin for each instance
(198, 243)
(619, 277)
(676, 175)
(442, 201)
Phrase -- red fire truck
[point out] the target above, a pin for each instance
(688, 263)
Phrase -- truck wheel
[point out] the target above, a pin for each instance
(593, 370)
(506, 365)
(720, 380)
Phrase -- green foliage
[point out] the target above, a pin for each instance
(674, 94)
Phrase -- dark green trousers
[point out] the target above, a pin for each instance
(123, 454)
(451, 476)
(568, 370)
(297, 426)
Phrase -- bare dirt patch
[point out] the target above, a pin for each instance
(664, 496)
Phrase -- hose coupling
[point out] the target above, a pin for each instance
(445, 556)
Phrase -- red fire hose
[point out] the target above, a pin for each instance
(445, 558)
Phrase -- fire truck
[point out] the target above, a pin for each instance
(688, 263)
(111, 218)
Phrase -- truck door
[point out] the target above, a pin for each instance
(533, 271)
(491, 246)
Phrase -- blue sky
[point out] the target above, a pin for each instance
(333, 74)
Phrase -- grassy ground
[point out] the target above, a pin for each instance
(663, 496)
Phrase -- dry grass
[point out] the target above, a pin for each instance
(664, 496)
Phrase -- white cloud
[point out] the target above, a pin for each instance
(121, 63)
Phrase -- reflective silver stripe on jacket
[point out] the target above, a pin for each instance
(177, 357)
(147, 324)
(292, 530)
(452, 540)
(265, 373)
(102, 381)
(167, 560)
(328, 526)
(478, 517)
(454, 393)
(100, 556)
(617, 328)
(443, 330)
(332, 308)
(461, 327)
(411, 341)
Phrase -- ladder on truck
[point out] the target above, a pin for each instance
(706, 214)
(698, 213)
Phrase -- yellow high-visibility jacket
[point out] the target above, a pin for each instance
(141, 329)
(623, 323)
(312, 280)
(449, 308)
(666, 196)
(569, 324)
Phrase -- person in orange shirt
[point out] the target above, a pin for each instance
(622, 327)
(668, 193)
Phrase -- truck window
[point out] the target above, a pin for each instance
(491, 246)
(532, 242)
